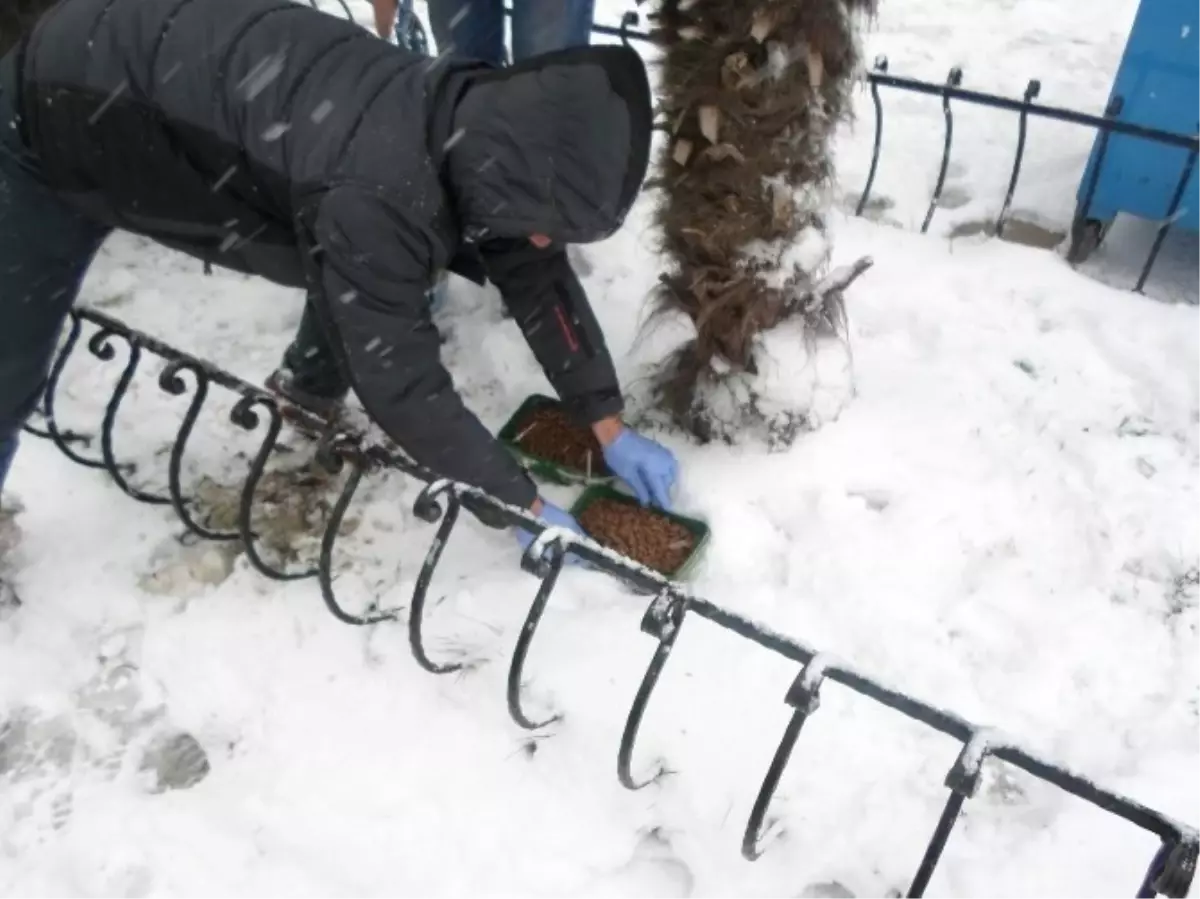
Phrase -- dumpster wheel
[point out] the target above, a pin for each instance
(1086, 237)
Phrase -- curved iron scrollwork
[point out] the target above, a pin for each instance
(954, 79)
(662, 620)
(246, 416)
(628, 32)
(64, 440)
(170, 381)
(881, 67)
(544, 558)
(1031, 91)
(359, 464)
(428, 509)
(804, 698)
(100, 345)
(1170, 872)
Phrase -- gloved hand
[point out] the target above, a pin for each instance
(648, 467)
(556, 517)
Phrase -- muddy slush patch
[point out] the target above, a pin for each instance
(291, 509)
(1016, 230)
(876, 208)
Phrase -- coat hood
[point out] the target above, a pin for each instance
(557, 145)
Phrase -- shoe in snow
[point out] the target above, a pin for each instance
(299, 407)
(9, 601)
(10, 531)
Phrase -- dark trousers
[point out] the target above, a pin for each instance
(45, 250)
(311, 361)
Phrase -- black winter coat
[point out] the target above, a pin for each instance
(267, 137)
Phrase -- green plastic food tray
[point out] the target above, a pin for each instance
(698, 528)
(536, 465)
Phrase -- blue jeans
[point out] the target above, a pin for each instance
(475, 28)
(45, 250)
(409, 32)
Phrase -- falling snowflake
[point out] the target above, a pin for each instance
(276, 131)
(321, 113)
(109, 101)
(260, 77)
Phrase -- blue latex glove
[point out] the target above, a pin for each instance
(648, 467)
(556, 517)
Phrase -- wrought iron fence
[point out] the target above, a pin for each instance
(1084, 232)
(1106, 125)
(441, 501)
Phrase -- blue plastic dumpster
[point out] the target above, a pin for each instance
(1158, 86)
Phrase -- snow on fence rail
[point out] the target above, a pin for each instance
(1170, 871)
(1083, 240)
(1107, 125)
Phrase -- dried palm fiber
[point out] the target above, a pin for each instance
(752, 93)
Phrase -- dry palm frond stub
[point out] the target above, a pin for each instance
(752, 93)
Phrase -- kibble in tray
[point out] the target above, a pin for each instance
(552, 446)
(664, 542)
(547, 433)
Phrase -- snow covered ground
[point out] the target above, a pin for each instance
(1003, 521)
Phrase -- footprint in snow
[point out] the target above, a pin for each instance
(653, 870)
(830, 889)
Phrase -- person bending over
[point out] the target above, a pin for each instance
(295, 146)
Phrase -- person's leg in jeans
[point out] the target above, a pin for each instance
(469, 28)
(410, 33)
(45, 249)
(542, 26)
(475, 29)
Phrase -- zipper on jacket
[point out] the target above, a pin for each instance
(567, 331)
(568, 323)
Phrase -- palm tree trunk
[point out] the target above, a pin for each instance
(752, 93)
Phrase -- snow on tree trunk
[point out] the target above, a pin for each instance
(752, 93)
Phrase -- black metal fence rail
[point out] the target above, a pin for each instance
(1084, 233)
(1107, 125)
(1171, 869)
(441, 501)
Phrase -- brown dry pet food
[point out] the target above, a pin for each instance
(640, 533)
(548, 433)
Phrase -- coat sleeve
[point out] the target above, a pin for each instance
(550, 307)
(373, 272)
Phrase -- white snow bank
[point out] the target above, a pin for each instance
(999, 523)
